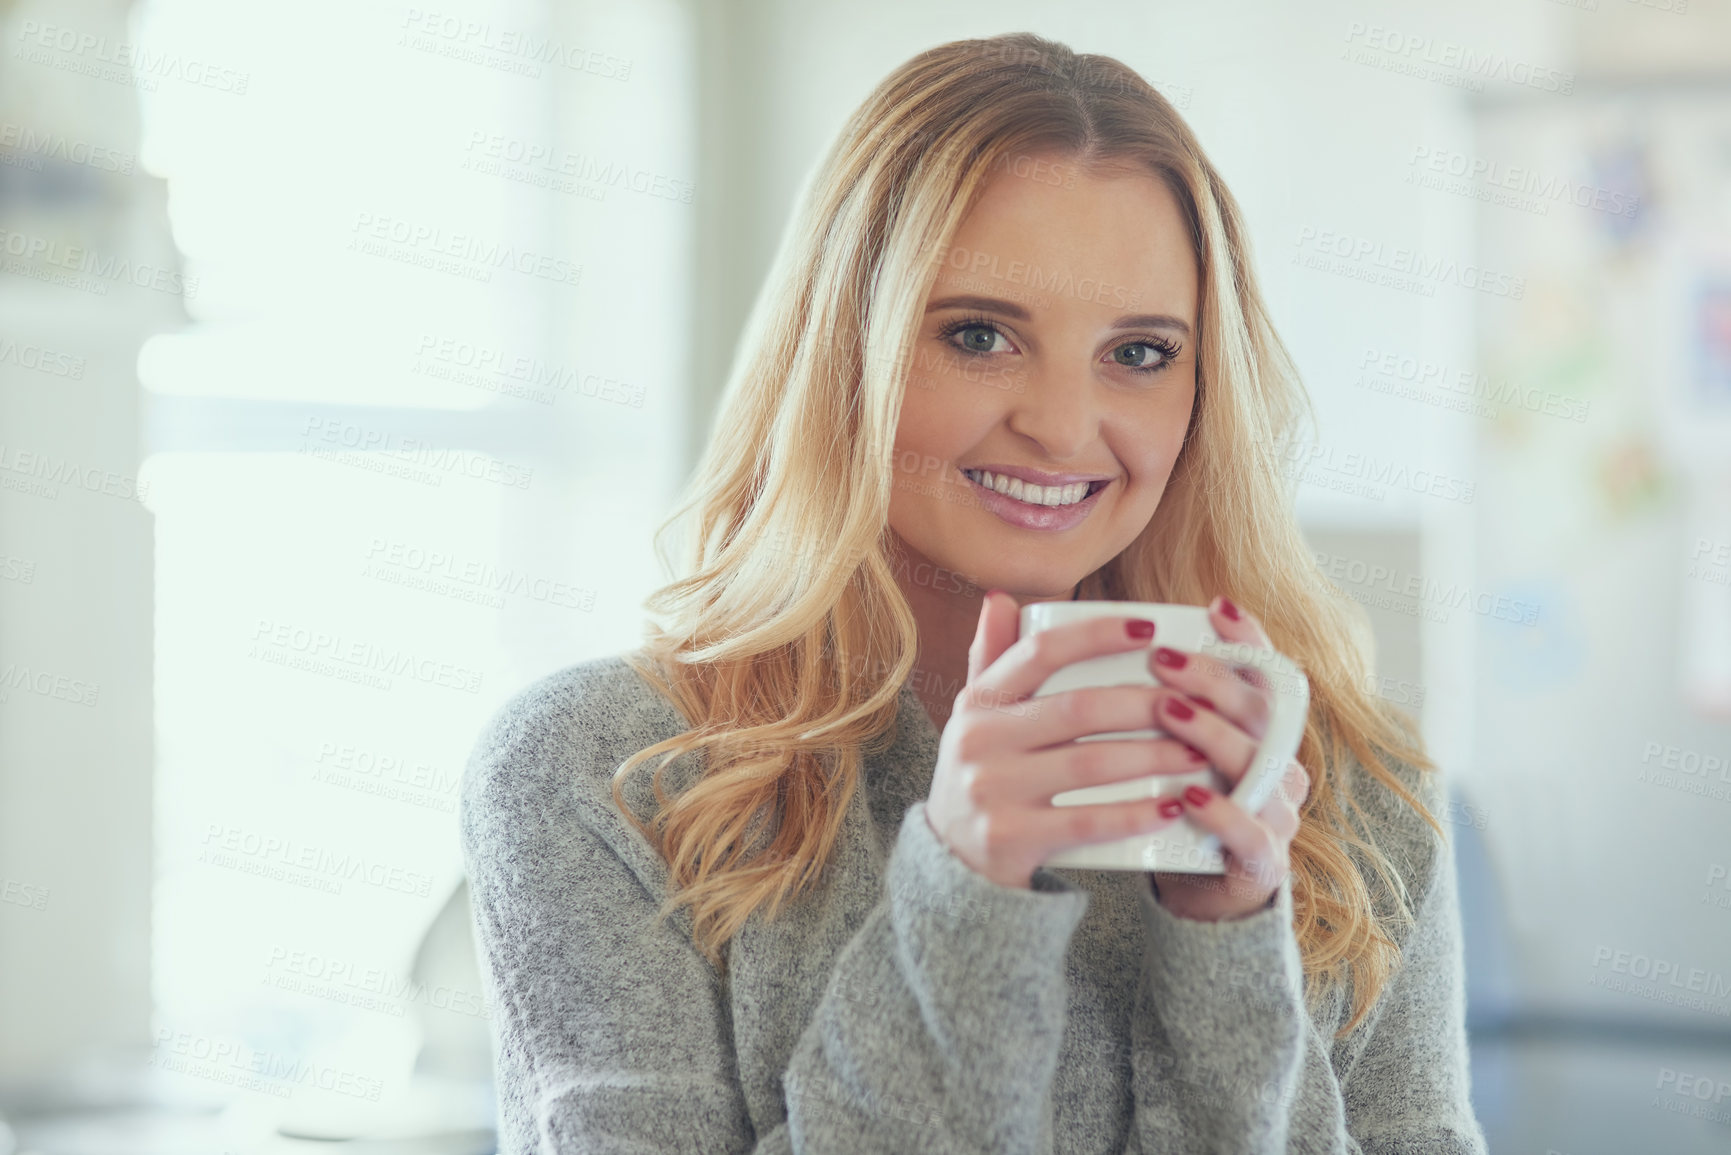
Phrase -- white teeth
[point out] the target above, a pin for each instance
(1032, 494)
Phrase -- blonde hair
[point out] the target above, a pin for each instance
(788, 641)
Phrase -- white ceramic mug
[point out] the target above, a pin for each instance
(1182, 845)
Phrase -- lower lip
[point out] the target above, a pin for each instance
(1025, 515)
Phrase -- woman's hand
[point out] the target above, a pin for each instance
(1003, 754)
(1222, 711)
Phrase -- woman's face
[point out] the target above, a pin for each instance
(1057, 346)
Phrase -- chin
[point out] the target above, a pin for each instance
(1029, 584)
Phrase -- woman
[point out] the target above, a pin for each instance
(1013, 341)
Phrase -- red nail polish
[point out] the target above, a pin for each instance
(1170, 658)
(1195, 755)
(1197, 795)
(1230, 610)
(1139, 628)
(1170, 808)
(1203, 702)
(1179, 709)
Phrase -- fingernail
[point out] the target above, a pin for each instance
(1139, 628)
(1195, 755)
(1179, 709)
(1170, 658)
(1170, 808)
(1203, 702)
(1197, 795)
(1230, 610)
(993, 593)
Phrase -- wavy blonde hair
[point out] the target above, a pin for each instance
(788, 641)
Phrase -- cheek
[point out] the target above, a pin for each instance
(1151, 456)
(938, 419)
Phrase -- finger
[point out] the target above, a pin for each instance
(1026, 665)
(1005, 721)
(1232, 623)
(1061, 827)
(1251, 850)
(1235, 624)
(1294, 785)
(1035, 777)
(994, 633)
(1230, 749)
(1281, 818)
(1208, 680)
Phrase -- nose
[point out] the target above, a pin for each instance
(1056, 411)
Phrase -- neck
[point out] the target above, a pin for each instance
(946, 619)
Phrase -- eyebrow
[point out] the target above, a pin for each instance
(1011, 309)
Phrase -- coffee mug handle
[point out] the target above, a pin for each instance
(1289, 709)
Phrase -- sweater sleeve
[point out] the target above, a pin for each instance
(938, 1030)
(1226, 1058)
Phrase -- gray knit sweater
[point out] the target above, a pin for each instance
(912, 1005)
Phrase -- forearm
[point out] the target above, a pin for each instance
(940, 1029)
(1218, 1035)
(1227, 1057)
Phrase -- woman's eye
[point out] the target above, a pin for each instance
(978, 338)
(1140, 355)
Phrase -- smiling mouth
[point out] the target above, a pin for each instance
(1041, 496)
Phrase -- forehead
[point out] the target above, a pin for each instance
(1042, 221)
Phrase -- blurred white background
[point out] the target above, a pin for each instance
(351, 353)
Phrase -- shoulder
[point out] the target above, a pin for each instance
(556, 743)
